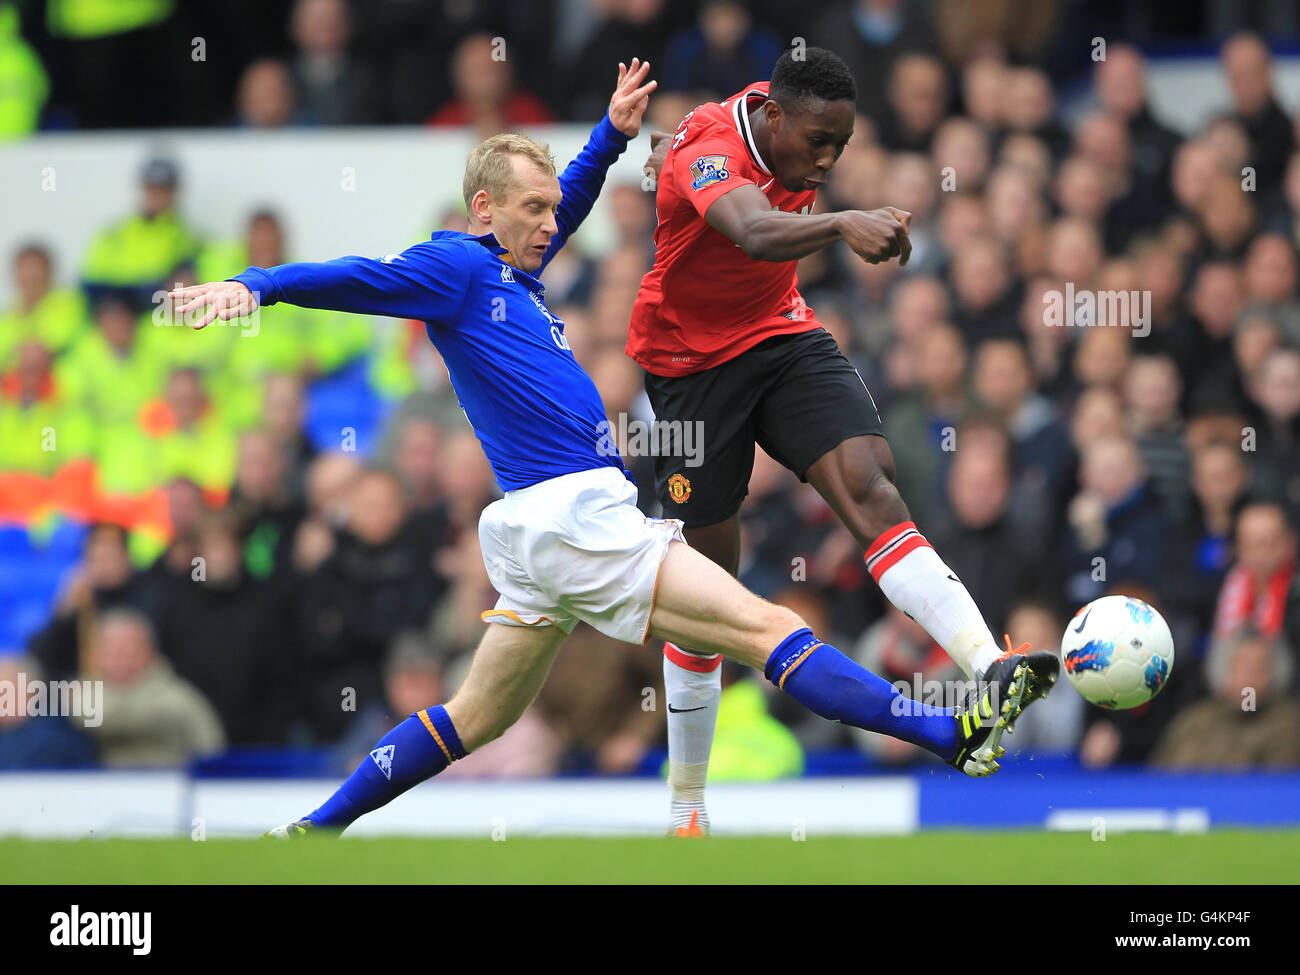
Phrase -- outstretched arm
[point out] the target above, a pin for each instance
(426, 282)
(582, 179)
(746, 216)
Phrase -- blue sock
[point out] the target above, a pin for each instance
(825, 681)
(418, 748)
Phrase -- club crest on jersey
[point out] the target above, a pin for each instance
(679, 489)
(507, 273)
(707, 170)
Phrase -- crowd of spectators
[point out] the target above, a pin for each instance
(245, 584)
(90, 64)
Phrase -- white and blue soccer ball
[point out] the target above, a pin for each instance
(1117, 652)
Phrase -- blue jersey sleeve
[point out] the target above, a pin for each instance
(581, 182)
(428, 281)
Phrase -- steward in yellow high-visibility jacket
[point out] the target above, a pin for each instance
(24, 85)
(140, 252)
(38, 433)
(107, 373)
(55, 317)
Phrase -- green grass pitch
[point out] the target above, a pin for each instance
(1218, 857)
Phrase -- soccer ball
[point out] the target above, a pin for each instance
(1117, 652)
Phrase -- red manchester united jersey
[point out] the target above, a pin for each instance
(705, 301)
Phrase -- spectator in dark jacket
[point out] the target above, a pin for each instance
(1274, 419)
(629, 28)
(1117, 529)
(374, 584)
(1249, 70)
(104, 580)
(1152, 390)
(267, 507)
(993, 550)
(1121, 86)
(1003, 380)
(870, 35)
(721, 55)
(1201, 547)
(228, 636)
(334, 88)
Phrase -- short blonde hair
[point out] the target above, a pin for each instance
(489, 167)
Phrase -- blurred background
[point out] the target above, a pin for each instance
(264, 542)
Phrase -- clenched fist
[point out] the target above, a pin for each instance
(877, 235)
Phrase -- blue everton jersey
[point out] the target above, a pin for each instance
(537, 414)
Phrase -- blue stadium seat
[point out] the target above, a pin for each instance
(14, 542)
(10, 639)
(344, 400)
(15, 571)
(274, 763)
(27, 617)
(31, 574)
(65, 542)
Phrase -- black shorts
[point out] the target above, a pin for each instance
(796, 396)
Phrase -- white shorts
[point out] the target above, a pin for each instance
(575, 548)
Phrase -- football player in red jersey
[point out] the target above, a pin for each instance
(727, 342)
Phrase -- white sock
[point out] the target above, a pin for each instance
(914, 578)
(692, 687)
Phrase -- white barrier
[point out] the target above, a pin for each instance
(78, 805)
(83, 804)
(339, 191)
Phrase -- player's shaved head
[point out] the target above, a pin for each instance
(819, 75)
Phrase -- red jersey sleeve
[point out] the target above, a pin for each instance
(711, 162)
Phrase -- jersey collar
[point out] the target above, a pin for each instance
(740, 112)
(490, 242)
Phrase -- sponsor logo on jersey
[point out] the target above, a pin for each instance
(541, 306)
(679, 488)
(708, 170)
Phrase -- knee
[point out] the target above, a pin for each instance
(873, 492)
(879, 492)
(884, 458)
